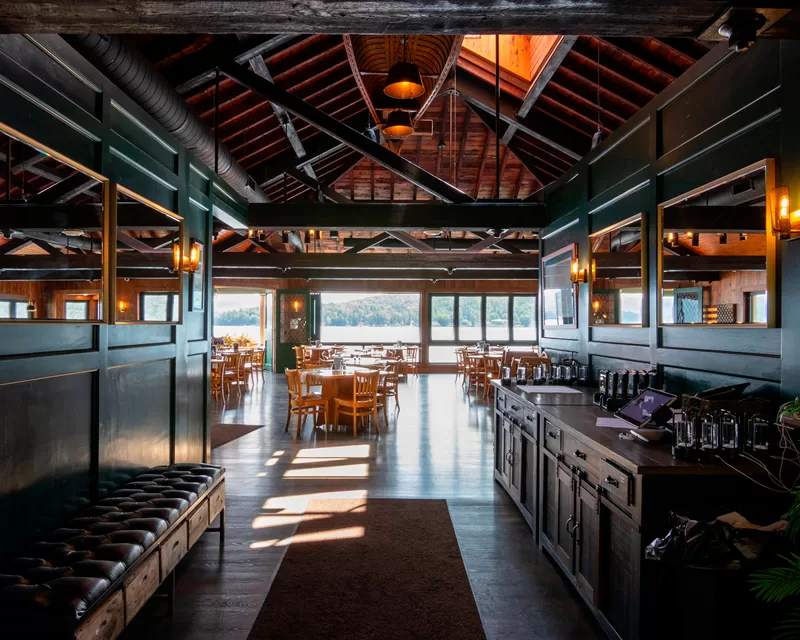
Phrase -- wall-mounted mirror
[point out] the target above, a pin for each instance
(617, 274)
(715, 248)
(51, 237)
(558, 299)
(149, 277)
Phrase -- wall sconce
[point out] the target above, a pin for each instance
(576, 274)
(594, 269)
(782, 217)
(296, 306)
(190, 262)
(672, 239)
(123, 306)
(31, 308)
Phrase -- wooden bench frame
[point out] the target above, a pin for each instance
(107, 617)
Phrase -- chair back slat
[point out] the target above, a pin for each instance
(294, 382)
(365, 385)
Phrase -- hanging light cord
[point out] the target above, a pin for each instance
(599, 124)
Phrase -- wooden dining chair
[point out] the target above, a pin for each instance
(387, 388)
(412, 360)
(313, 383)
(257, 361)
(217, 388)
(302, 404)
(364, 402)
(299, 356)
(230, 372)
(492, 373)
(476, 373)
(461, 365)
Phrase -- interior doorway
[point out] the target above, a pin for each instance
(245, 316)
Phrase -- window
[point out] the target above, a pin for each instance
(442, 318)
(668, 307)
(503, 319)
(14, 309)
(369, 318)
(159, 307)
(756, 306)
(630, 306)
(76, 309)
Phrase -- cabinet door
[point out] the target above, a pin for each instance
(586, 541)
(556, 515)
(505, 468)
(528, 471)
(515, 475)
(498, 446)
(619, 574)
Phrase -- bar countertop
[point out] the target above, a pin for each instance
(577, 414)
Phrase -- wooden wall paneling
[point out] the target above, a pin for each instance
(138, 432)
(624, 158)
(128, 335)
(46, 431)
(27, 339)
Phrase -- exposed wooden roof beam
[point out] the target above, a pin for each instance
(12, 245)
(134, 243)
(197, 69)
(509, 246)
(314, 184)
(410, 241)
(402, 262)
(455, 49)
(380, 216)
(64, 190)
(479, 95)
(351, 58)
(433, 275)
(367, 243)
(488, 241)
(462, 147)
(417, 161)
(545, 73)
(414, 174)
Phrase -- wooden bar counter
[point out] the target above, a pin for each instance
(594, 501)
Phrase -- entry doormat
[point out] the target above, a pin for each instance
(371, 569)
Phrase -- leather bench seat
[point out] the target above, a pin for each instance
(58, 579)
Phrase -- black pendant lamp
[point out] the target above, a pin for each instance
(398, 124)
(404, 81)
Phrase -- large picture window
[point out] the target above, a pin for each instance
(466, 319)
(370, 318)
(159, 307)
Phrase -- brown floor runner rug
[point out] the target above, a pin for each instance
(371, 569)
(224, 433)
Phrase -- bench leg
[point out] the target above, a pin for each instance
(167, 592)
(220, 529)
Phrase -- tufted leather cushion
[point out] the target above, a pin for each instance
(61, 577)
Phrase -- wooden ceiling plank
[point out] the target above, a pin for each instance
(477, 188)
(455, 49)
(351, 57)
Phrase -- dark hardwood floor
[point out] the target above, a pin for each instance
(439, 445)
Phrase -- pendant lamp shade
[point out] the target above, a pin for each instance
(398, 124)
(404, 81)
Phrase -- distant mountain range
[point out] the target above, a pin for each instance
(393, 310)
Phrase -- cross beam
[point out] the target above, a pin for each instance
(379, 274)
(333, 127)
(367, 216)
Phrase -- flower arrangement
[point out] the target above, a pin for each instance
(243, 340)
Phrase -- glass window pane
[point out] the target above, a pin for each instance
(630, 303)
(154, 307)
(76, 309)
(497, 319)
(21, 310)
(176, 307)
(668, 308)
(5, 309)
(367, 318)
(442, 355)
(469, 319)
(524, 318)
(442, 322)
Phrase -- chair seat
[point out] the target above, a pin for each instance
(358, 404)
(310, 398)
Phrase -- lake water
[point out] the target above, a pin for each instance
(331, 335)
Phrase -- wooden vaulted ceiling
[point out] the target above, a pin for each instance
(458, 145)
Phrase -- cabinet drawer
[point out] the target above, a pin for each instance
(551, 437)
(198, 522)
(107, 622)
(216, 502)
(529, 422)
(173, 549)
(500, 400)
(140, 586)
(617, 484)
(576, 452)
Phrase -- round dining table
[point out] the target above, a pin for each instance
(335, 384)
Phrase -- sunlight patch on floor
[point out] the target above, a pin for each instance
(340, 471)
(347, 451)
(346, 533)
(282, 520)
(298, 503)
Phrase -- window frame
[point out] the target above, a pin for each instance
(13, 302)
(457, 341)
(172, 298)
(84, 303)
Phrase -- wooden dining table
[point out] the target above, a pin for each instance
(336, 384)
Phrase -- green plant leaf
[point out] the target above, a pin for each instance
(789, 628)
(793, 520)
(778, 583)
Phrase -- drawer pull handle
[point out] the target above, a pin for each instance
(175, 546)
(552, 434)
(612, 481)
(559, 457)
(527, 417)
(514, 407)
(566, 524)
(580, 454)
(572, 531)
